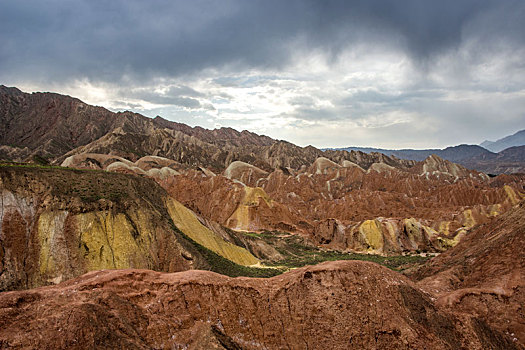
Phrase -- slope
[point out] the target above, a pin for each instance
(484, 274)
(335, 305)
(56, 224)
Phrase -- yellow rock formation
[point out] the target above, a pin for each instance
(513, 197)
(49, 224)
(188, 223)
(107, 240)
(102, 240)
(444, 227)
(469, 221)
(372, 235)
(447, 243)
(494, 210)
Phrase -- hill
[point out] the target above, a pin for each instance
(484, 274)
(48, 127)
(335, 305)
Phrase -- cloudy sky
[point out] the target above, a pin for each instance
(382, 73)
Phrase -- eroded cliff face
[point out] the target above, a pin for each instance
(188, 223)
(484, 274)
(56, 224)
(334, 305)
(49, 235)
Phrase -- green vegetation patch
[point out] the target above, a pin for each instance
(298, 253)
(89, 185)
(29, 165)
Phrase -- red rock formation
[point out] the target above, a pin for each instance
(335, 305)
(329, 203)
(484, 275)
(427, 207)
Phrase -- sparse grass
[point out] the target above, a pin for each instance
(297, 253)
(30, 165)
(259, 235)
(397, 263)
(89, 185)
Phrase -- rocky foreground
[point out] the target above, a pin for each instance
(484, 275)
(334, 305)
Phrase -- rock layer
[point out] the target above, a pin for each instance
(413, 210)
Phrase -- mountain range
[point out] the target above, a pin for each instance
(508, 160)
(517, 139)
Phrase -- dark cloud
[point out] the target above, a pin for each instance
(175, 95)
(183, 90)
(453, 67)
(126, 39)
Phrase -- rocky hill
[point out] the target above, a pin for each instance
(384, 210)
(507, 161)
(56, 224)
(484, 274)
(47, 127)
(453, 154)
(335, 305)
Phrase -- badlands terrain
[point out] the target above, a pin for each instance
(109, 219)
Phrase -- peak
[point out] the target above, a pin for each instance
(322, 164)
(434, 164)
(238, 169)
(10, 90)
(434, 158)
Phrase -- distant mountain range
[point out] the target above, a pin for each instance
(495, 160)
(517, 139)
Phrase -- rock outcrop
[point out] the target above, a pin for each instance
(427, 207)
(333, 205)
(47, 127)
(244, 172)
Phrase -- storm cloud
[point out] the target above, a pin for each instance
(285, 68)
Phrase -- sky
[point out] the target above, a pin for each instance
(379, 73)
